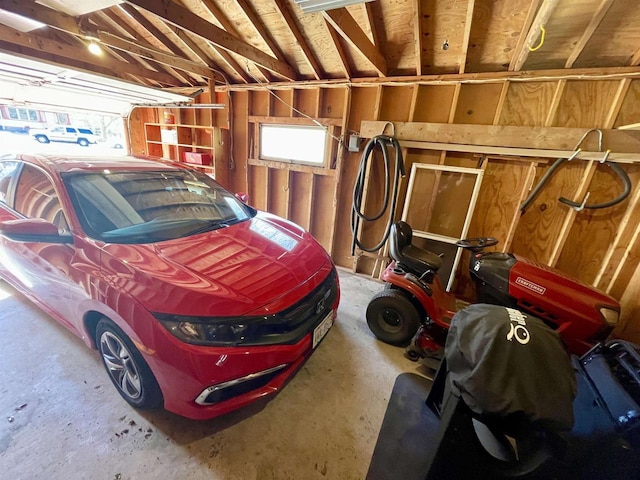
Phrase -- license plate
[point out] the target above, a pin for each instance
(322, 329)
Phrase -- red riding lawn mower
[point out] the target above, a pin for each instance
(415, 309)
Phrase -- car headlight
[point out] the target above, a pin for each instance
(214, 331)
(610, 316)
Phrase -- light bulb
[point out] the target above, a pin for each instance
(95, 48)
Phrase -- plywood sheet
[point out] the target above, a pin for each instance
(301, 186)
(278, 192)
(324, 189)
(630, 110)
(332, 102)
(586, 104)
(616, 39)
(539, 228)
(477, 103)
(527, 104)
(442, 29)
(433, 103)
(396, 103)
(494, 34)
(257, 191)
(563, 30)
(593, 231)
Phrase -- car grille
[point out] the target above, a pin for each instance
(292, 324)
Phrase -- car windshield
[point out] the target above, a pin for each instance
(151, 206)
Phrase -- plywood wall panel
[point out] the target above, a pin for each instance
(323, 206)
(258, 178)
(332, 102)
(594, 230)
(260, 103)
(306, 102)
(630, 111)
(363, 106)
(477, 103)
(433, 103)
(300, 208)
(395, 106)
(539, 228)
(585, 104)
(281, 103)
(239, 123)
(527, 104)
(278, 192)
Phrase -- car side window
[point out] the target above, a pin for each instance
(36, 198)
(71, 130)
(57, 130)
(7, 172)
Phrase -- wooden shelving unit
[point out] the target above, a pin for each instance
(173, 140)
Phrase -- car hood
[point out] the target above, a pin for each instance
(244, 268)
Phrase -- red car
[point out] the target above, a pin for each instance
(196, 301)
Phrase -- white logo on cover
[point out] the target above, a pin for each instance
(518, 326)
(530, 285)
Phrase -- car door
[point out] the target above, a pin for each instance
(42, 270)
(56, 134)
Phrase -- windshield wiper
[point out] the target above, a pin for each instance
(211, 225)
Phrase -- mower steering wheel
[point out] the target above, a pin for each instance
(477, 244)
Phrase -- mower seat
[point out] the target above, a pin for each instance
(406, 255)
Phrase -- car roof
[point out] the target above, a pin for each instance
(65, 164)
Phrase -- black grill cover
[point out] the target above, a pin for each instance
(503, 362)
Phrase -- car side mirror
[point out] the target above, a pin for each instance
(242, 196)
(33, 230)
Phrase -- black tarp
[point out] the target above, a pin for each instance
(503, 363)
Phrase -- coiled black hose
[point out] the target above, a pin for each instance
(625, 193)
(390, 196)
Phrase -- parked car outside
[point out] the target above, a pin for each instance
(68, 134)
(196, 301)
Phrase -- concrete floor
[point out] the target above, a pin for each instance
(60, 417)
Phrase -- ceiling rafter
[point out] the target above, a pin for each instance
(335, 37)
(417, 34)
(287, 17)
(468, 23)
(145, 23)
(224, 54)
(541, 17)
(183, 18)
(69, 24)
(524, 32)
(259, 27)
(346, 26)
(47, 46)
(370, 16)
(596, 19)
(102, 20)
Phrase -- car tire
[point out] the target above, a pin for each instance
(42, 138)
(392, 317)
(83, 142)
(127, 369)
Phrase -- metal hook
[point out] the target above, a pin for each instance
(574, 154)
(606, 155)
(393, 128)
(580, 207)
(587, 133)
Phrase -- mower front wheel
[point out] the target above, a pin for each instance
(392, 317)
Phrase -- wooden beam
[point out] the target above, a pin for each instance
(555, 103)
(290, 22)
(597, 17)
(503, 97)
(335, 38)
(183, 18)
(635, 60)
(555, 138)
(257, 24)
(542, 16)
(467, 34)
(66, 23)
(143, 49)
(417, 34)
(371, 22)
(48, 46)
(535, 153)
(526, 26)
(346, 26)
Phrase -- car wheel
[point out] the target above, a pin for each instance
(127, 370)
(392, 317)
(83, 142)
(42, 139)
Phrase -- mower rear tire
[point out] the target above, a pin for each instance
(392, 317)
